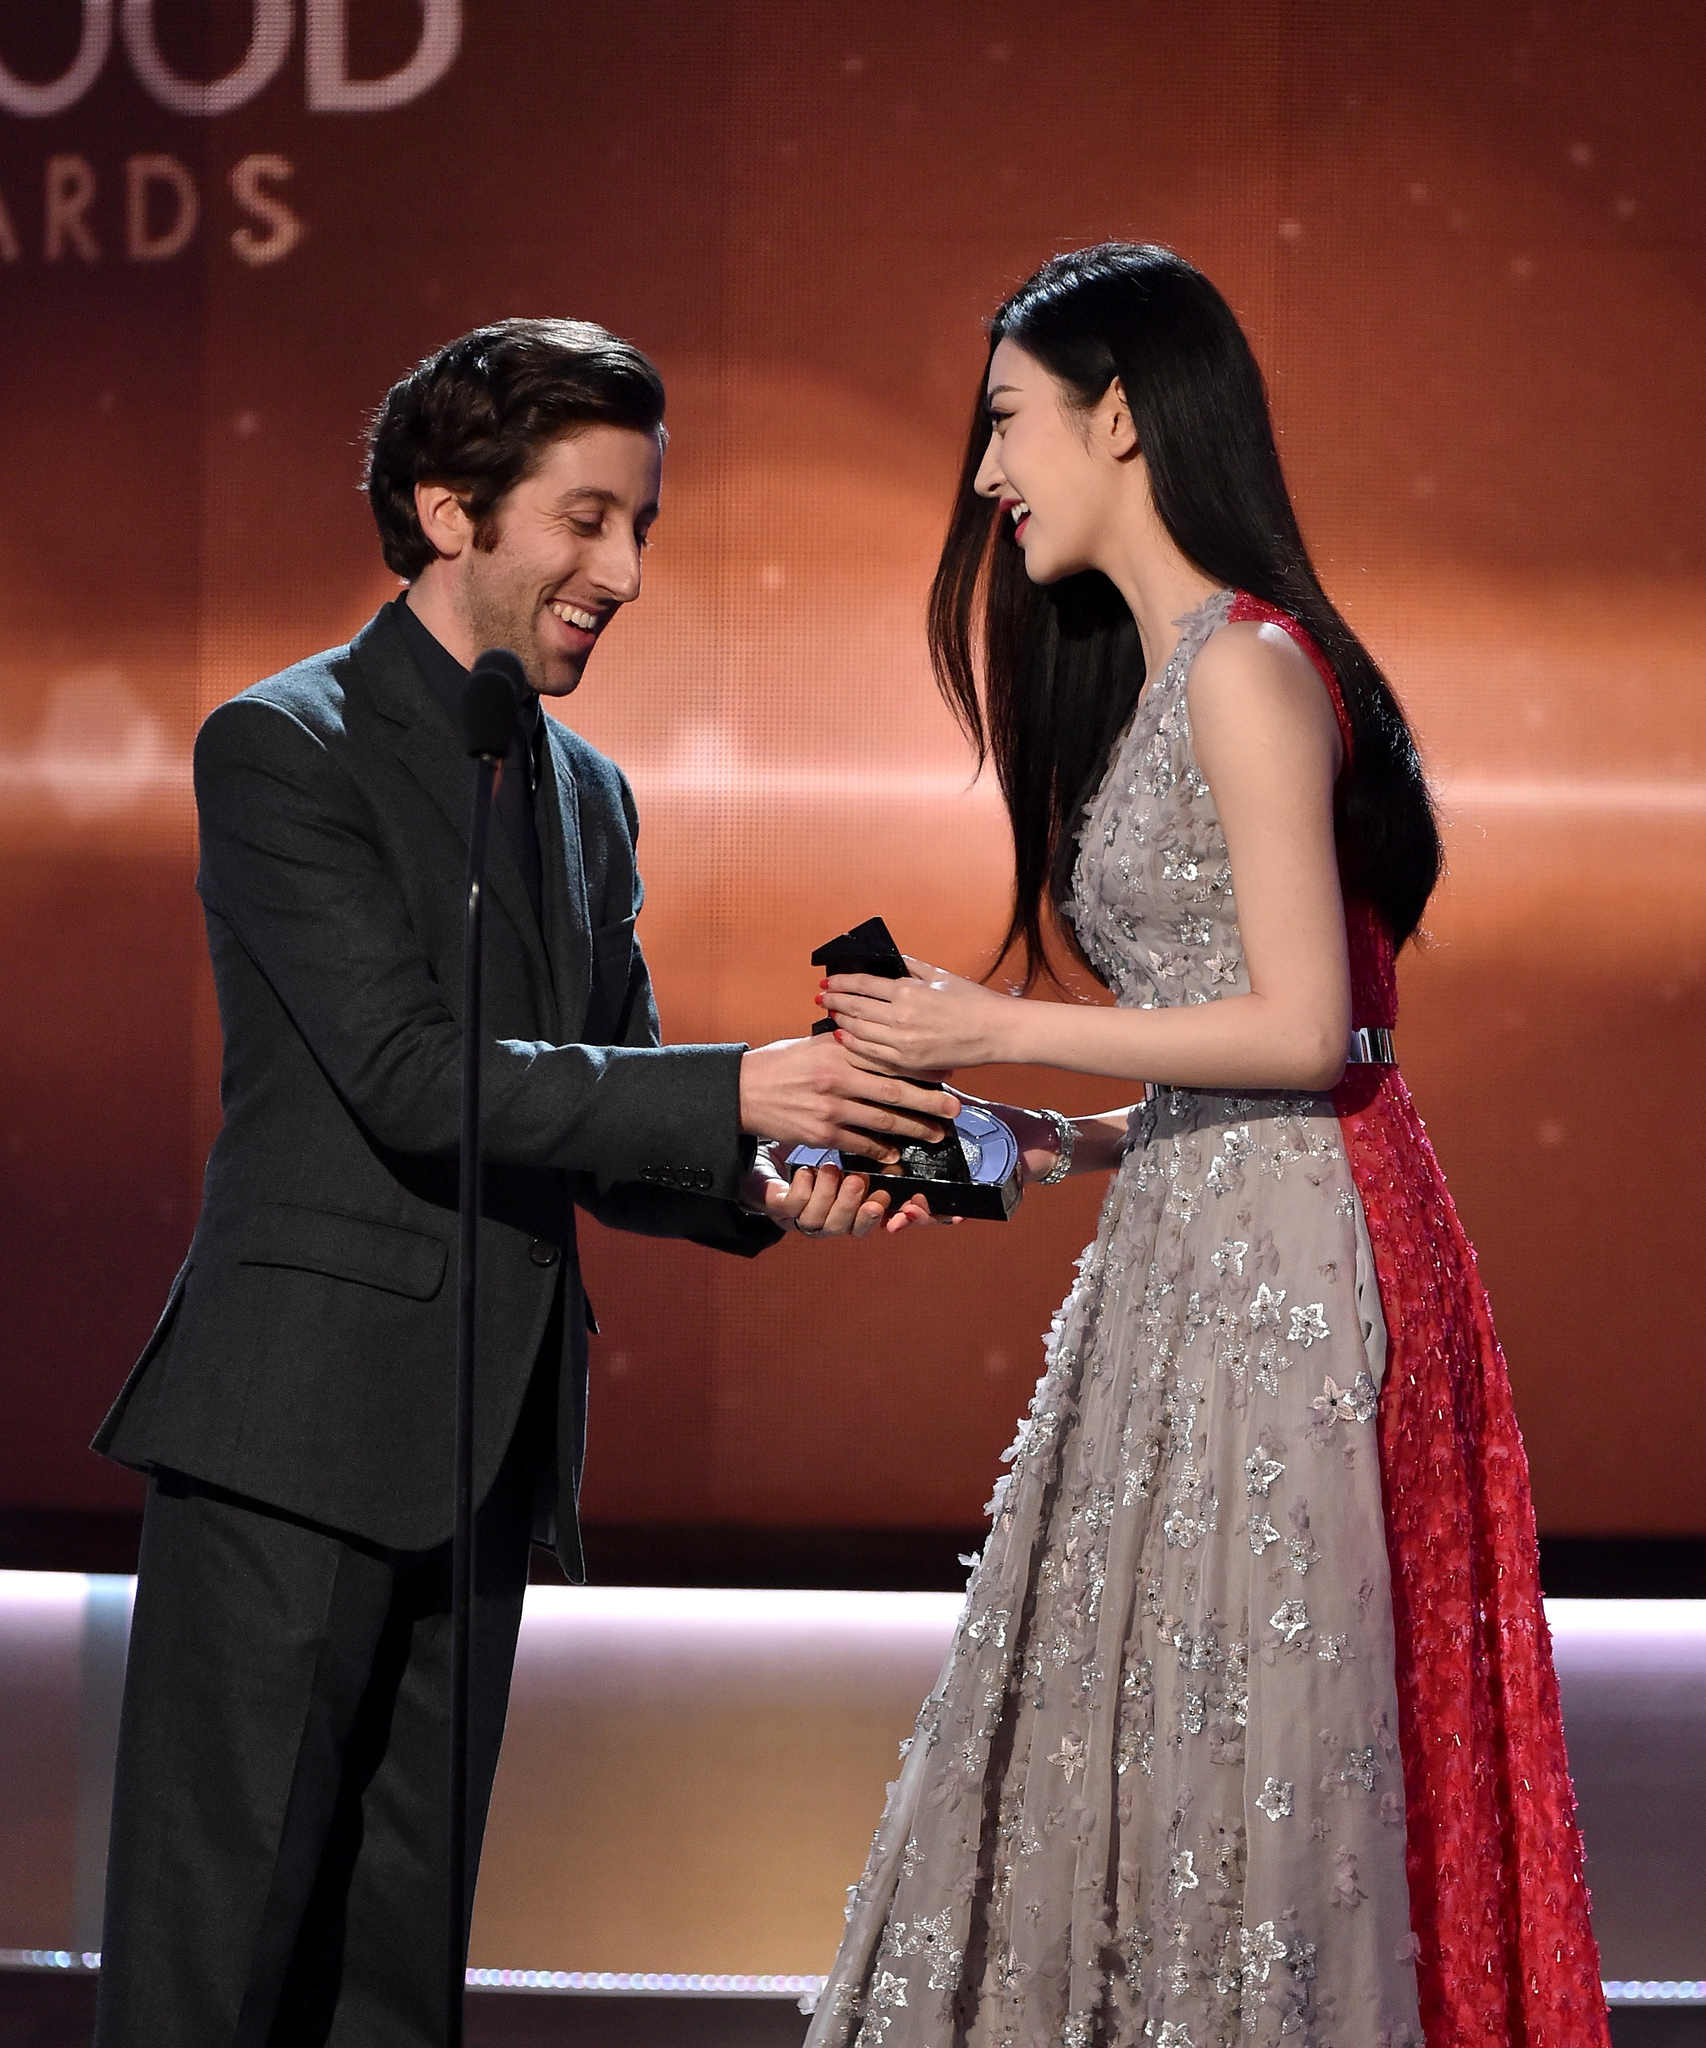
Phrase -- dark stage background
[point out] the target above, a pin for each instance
(1467, 242)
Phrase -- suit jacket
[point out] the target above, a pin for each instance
(306, 1354)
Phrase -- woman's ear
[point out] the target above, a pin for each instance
(1114, 427)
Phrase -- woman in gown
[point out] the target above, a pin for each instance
(1249, 1731)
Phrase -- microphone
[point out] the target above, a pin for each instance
(491, 701)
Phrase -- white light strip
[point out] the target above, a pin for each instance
(650, 1984)
(740, 1610)
(1628, 1621)
(662, 1984)
(1649, 1991)
(42, 1589)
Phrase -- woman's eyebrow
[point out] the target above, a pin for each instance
(997, 391)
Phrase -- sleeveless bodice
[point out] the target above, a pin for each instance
(1152, 900)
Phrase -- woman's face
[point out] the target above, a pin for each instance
(1045, 468)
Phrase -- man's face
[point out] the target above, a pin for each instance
(567, 554)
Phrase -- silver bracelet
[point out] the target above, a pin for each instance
(1065, 1138)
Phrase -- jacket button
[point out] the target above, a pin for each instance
(542, 1253)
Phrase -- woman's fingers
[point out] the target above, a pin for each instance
(917, 1212)
(856, 1006)
(878, 988)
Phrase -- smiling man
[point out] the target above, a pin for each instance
(277, 1863)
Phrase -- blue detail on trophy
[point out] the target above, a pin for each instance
(974, 1169)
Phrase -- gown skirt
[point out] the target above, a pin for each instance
(1249, 1731)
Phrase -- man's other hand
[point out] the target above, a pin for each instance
(826, 1202)
(816, 1202)
(814, 1092)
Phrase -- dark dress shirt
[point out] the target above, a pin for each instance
(513, 813)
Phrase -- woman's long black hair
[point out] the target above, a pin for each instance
(1062, 665)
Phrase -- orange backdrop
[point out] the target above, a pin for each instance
(1467, 244)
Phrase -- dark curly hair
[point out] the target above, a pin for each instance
(478, 413)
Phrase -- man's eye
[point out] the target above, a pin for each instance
(589, 527)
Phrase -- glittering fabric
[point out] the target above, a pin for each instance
(1498, 1901)
(1158, 1795)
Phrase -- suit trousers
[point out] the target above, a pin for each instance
(276, 1874)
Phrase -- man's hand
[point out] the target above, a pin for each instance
(812, 1091)
(820, 1202)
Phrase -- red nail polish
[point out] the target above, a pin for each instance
(838, 1038)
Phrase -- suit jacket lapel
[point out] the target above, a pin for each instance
(568, 924)
(431, 750)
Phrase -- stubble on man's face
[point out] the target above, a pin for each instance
(503, 611)
(567, 553)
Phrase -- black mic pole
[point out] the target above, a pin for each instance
(489, 706)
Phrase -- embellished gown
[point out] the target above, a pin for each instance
(1249, 1731)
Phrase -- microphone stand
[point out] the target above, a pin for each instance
(489, 712)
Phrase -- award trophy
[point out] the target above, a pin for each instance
(974, 1169)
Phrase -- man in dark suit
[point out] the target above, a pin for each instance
(278, 1848)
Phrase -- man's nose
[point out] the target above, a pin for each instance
(617, 571)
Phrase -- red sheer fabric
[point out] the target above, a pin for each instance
(1497, 1898)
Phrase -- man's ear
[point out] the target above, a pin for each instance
(444, 520)
(1114, 424)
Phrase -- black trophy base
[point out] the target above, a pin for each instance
(988, 1201)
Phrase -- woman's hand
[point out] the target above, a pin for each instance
(931, 1022)
(917, 1212)
(1036, 1137)
(1099, 1141)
